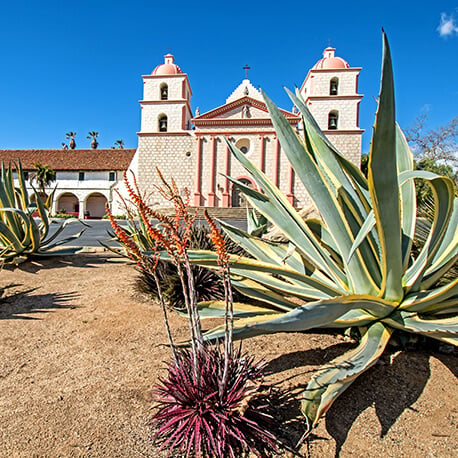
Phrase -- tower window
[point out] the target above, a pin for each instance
(332, 120)
(334, 86)
(164, 91)
(112, 176)
(162, 123)
(80, 176)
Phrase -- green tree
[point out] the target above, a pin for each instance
(94, 142)
(43, 176)
(119, 144)
(71, 136)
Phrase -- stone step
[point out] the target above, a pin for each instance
(214, 212)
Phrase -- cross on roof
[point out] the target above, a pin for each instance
(246, 68)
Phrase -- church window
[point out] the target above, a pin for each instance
(334, 86)
(163, 123)
(164, 91)
(333, 118)
(80, 176)
(112, 176)
(243, 145)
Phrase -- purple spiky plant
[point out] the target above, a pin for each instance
(195, 417)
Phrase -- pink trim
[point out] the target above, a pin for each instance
(277, 162)
(334, 97)
(164, 134)
(262, 157)
(290, 194)
(357, 114)
(211, 194)
(200, 133)
(226, 193)
(197, 193)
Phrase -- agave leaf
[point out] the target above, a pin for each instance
(255, 290)
(383, 184)
(447, 253)
(321, 193)
(362, 234)
(263, 250)
(336, 377)
(59, 252)
(24, 195)
(217, 309)
(247, 267)
(311, 315)
(443, 192)
(275, 253)
(427, 301)
(328, 156)
(43, 213)
(435, 328)
(61, 227)
(8, 237)
(68, 239)
(405, 163)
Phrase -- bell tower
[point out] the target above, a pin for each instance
(166, 99)
(165, 139)
(331, 93)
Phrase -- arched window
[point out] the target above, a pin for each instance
(164, 91)
(243, 144)
(334, 86)
(333, 119)
(162, 123)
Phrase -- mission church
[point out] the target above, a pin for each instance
(193, 149)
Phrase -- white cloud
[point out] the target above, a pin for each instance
(447, 26)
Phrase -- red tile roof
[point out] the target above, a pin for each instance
(77, 159)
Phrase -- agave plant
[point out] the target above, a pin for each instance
(356, 267)
(20, 234)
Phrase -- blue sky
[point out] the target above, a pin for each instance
(78, 65)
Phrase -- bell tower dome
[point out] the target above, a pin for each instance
(330, 91)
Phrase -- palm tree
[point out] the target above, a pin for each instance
(119, 144)
(94, 142)
(71, 136)
(43, 176)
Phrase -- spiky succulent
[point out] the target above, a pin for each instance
(21, 235)
(357, 266)
(195, 417)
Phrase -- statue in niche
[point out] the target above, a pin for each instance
(246, 112)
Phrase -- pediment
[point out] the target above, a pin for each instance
(245, 110)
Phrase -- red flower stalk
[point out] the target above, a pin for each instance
(218, 241)
(132, 248)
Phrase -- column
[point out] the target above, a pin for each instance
(198, 188)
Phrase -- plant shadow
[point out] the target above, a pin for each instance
(36, 263)
(21, 304)
(393, 385)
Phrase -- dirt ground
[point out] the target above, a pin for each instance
(80, 351)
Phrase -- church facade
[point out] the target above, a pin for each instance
(193, 149)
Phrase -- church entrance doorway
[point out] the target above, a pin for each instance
(238, 199)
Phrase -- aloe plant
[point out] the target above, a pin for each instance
(21, 235)
(356, 267)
